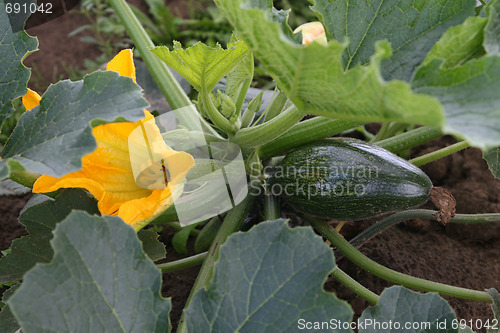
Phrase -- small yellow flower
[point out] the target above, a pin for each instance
(107, 172)
(312, 31)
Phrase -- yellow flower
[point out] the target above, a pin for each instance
(107, 173)
(312, 31)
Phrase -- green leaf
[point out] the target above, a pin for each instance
(202, 64)
(8, 323)
(314, 79)
(459, 44)
(470, 95)
(7, 167)
(153, 248)
(40, 220)
(179, 241)
(400, 305)
(266, 280)
(239, 80)
(100, 280)
(495, 305)
(9, 187)
(15, 44)
(52, 138)
(492, 31)
(492, 156)
(412, 27)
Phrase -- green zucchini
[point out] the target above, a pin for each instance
(348, 179)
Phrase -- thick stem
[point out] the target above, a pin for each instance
(217, 118)
(382, 132)
(423, 214)
(232, 223)
(390, 275)
(305, 132)
(182, 263)
(276, 106)
(270, 130)
(440, 153)
(271, 208)
(355, 286)
(410, 139)
(160, 72)
(24, 178)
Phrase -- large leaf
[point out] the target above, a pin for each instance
(314, 79)
(492, 31)
(9, 187)
(495, 306)
(202, 63)
(40, 220)
(154, 249)
(8, 323)
(400, 306)
(492, 156)
(468, 87)
(100, 280)
(15, 44)
(267, 280)
(412, 27)
(52, 138)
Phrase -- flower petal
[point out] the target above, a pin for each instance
(31, 99)
(312, 31)
(123, 63)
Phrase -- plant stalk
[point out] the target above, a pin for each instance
(160, 72)
(304, 132)
(440, 153)
(410, 139)
(355, 286)
(271, 208)
(24, 178)
(424, 214)
(390, 275)
(182, 263)
(270, 130)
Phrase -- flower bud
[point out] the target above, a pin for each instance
(312, 31)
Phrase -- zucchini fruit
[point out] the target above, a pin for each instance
(348, 179)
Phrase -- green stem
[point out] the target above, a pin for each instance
(271, 208)
(240, 99)
(171, 89)
(232, 223)
(423, 214)
(304, 132)
(276, 105)
(390, 275)
(410, 139)
(182, 263)
(440, 153)
(159, 70)
(217, 118)
(270, 130)
(178, 226)
(355, 286)
(382, 132)
(24, 178)
(395, 128)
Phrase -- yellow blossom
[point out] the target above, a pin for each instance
(107, 172)
(312, 31)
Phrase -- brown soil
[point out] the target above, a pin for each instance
(461, 255)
